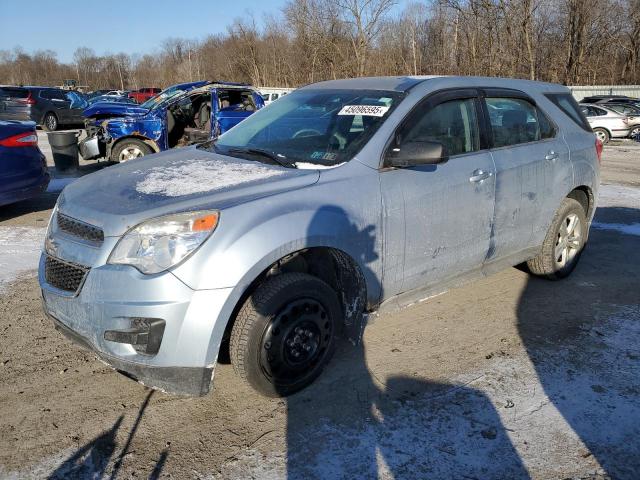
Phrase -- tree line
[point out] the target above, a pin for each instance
(575, 42)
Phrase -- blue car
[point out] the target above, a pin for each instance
(183, 114)
(23, 168)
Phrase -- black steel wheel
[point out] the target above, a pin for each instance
(285, 333)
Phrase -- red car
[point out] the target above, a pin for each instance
(143, 94)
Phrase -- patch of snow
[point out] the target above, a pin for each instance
(315, 166)
(19, 251)
(619, 196)
(626, 228)
(199, 176)
(56, 185)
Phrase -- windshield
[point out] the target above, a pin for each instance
(311, 127)
(162, 98)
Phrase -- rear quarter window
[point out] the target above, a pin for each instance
(566, 103)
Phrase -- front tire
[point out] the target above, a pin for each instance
(285, 333)
(50, 122)
(563, 244)
(130, 149)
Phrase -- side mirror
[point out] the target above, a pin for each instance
(417, 153)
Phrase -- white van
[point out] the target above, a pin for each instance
(272, 94)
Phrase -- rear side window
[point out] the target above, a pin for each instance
(515, 121)
(454, 124)
(566, 103)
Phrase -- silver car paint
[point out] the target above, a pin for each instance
(408, 230)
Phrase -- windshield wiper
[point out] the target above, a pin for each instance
(264, 153)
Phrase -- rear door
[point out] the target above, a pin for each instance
(438, 217)
(59, 104)
(533, 170)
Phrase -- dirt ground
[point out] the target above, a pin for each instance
(507, 377)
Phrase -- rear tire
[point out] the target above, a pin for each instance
(285, 333)
(50, 122)
(130, 149)
(602, 134)
(563, 244)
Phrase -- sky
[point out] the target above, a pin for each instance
(114, 26)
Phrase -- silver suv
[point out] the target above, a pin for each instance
(341, 199)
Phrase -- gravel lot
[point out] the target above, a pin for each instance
(506, 377)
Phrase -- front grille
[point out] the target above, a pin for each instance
(64, 275)
(76, 228)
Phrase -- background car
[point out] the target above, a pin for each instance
(143, 94)
(181, 115)
(606, 123)
(610, 99)
(630, 111)
(47, 106)
(23, 168)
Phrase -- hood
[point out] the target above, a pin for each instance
(113, 109)
(120, 197)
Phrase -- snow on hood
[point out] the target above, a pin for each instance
(199, 176)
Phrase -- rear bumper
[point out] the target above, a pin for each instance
(13, 196)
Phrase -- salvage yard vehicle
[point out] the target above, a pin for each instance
(23, 168)
(181, 115)
(342, 199)
(606, 123)
(143, 94)
(48, 107)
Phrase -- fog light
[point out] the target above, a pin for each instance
(145, 335)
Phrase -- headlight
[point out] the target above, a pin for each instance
(160, 243)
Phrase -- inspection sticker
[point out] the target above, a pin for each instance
(367, 110)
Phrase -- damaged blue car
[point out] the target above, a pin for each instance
(181, 115)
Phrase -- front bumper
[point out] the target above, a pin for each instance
(180, 380)
(112, 297)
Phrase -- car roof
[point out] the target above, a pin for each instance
(406, 83)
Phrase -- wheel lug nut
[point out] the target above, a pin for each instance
(307, 347)
(298, 330)
(267, 345)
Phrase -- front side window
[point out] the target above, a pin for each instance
(323, 127)
(454, 124)
(515, 121)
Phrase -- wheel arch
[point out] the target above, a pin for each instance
(332, 265)
(151, 143)
(584, 195)
(47, 112)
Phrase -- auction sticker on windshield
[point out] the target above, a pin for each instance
(367, 110)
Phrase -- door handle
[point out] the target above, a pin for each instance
(479, 176)
(551, 156)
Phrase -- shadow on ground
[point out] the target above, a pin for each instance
(587, 354)
(99, 458)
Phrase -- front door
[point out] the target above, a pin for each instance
(438, 217)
